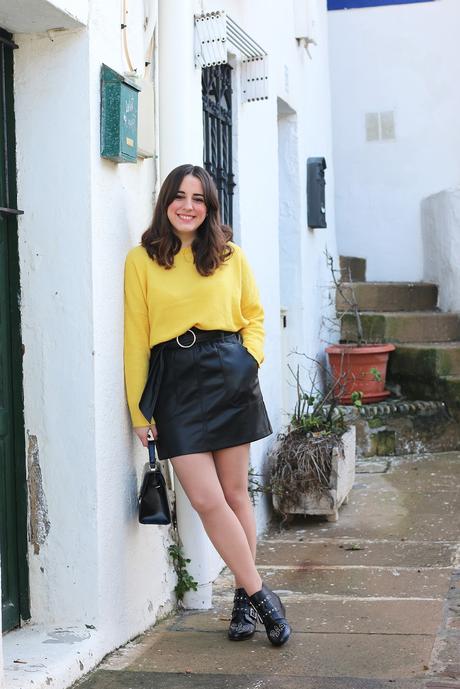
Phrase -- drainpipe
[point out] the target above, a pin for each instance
(181, 141)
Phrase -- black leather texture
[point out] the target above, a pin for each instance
(208, 398)
(153, 499)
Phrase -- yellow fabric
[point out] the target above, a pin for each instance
(161, 304)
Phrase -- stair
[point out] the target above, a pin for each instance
(426, 362)
(403, 327)
(390, 296)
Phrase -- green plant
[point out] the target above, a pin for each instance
(254, 485)
(316, 411)
(357, 398)
(301, 460)
(185, 581)
(376, 374)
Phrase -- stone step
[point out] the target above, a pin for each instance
(388, 296)
(413, 326)
(425, 360)
(352, 268)
(441, 388)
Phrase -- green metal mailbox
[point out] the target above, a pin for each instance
(118, 117)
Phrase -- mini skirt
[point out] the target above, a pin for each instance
(204, 396)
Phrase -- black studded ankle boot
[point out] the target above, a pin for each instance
(244, 617)
(271, 612)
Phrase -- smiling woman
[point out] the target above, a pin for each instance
(187, 214)
(188, 210)
(194, 340)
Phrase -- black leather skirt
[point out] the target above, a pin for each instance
(204, 397)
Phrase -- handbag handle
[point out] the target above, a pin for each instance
(151, 448)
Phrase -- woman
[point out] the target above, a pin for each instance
(193, 343)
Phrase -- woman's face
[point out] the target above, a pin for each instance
(188, 210)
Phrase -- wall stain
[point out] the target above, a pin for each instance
(39, 524)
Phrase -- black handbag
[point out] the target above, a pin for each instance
(153, 496)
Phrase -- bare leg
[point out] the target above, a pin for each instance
(232, 465)
(198, 477)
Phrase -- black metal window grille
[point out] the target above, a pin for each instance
(217, 124)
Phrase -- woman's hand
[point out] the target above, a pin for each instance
(141, 432)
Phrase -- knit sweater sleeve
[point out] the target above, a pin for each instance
(253, 334)
(136, 336)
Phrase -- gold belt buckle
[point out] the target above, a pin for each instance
(191, 344)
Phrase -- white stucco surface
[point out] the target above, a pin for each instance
(32, 16)
(400, 59)
(133, 562)
(95, 565)
(441, 244)
(92, 566)
(57, 319)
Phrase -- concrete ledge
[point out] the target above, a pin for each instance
(36, 657)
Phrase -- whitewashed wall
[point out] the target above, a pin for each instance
(95, 570)
(133, 562)
(274, 140)
(401, 59)
(32, 16)
(94, 565)
(441, 240)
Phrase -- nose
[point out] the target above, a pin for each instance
(187, 203)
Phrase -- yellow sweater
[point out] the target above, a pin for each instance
(161, 304)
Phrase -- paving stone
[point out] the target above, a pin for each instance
(322, 654)
(414, 500)
(371, 581)
(105, 679)
(332, 616)
(363, 618)
(359, 552)
(372, 466)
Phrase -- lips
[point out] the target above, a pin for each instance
(185, 218)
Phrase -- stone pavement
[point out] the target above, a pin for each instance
(374, 599)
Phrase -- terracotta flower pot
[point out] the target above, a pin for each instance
(355, 367)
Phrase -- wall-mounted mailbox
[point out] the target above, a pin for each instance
(119, 97)
(316, 192)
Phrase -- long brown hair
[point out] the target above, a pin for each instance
(210, 247)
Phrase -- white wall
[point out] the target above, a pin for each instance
(303, 85)
(441, 240)
(93, 564)
(32, 16)
(403, 59)
(54, 190)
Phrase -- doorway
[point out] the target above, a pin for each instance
(290, 253)
(13, 494)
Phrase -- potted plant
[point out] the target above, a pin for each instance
(359, 365)
(312, 464)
